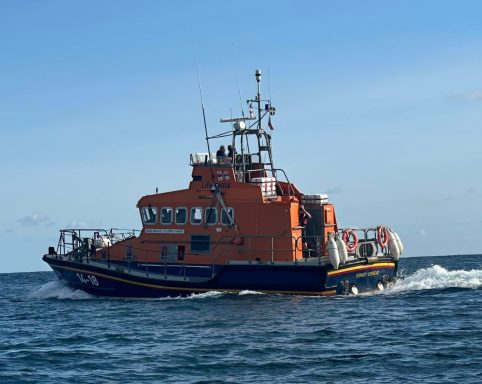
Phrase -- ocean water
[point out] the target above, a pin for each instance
(427, 328)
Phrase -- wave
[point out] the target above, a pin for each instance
(249, 292)
(212, 295)
(217, 294)
(437, 277)
(206, 295)
(59, 290)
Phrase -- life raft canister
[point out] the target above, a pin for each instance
(351, 239)
(382, 236)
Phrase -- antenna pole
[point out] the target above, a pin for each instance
(269, 86)
(258, 96)
(237, 80)
(204, 112)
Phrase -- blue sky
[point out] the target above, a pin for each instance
(379, 104)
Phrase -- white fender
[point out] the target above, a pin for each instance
(399, 242)
(343, 253)
(393, 247)
(333, 253)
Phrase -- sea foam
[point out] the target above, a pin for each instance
(211, 295)
(437, 277)
(59, 290)
(249, 292)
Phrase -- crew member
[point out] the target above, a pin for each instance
(221, 154)
(304, 216)
(231, 151)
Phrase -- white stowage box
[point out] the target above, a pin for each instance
(267, 184)
(317, 199)
(263, 179)
(200, 157)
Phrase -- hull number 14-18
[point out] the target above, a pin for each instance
(88, 279)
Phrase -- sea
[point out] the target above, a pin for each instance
(426, 328)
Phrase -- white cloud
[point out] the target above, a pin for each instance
(34, 220)
(84, 224)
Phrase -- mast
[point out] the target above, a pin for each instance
(258, 96)
(203, 110)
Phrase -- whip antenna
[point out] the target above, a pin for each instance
(269, 85)
(204, 119)
(202, 106)
(237, 80)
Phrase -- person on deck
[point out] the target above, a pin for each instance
(221, 154)
(304, 216)
(231, 153)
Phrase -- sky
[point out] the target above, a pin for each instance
(379, 104)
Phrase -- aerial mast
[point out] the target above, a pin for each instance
(242, 164)
(258, 96)
(204, 112)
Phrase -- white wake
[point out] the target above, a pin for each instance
(211, 295)
(217, 294)
(249, 292)
(437, 277)
(59, 290)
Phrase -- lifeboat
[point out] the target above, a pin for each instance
(241, 224)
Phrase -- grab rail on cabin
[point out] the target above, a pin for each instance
(291, 192)
(224, 241)
(234, 246)
(274, 174)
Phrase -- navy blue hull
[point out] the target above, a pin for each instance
(301, 278)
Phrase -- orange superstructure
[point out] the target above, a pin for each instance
(260, 228)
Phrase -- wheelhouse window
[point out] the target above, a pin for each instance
(181, 216)
(149, 215)
(166, 215)
(211, 216)
(199, 244)
(227, 216)
(196, 215)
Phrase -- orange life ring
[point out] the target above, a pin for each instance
(382, 236)
(351, 239)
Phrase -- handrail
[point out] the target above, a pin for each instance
(72, 244)
(250, 250)
(273, 173)
(73, 240)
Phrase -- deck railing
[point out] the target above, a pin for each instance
(81, 245)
